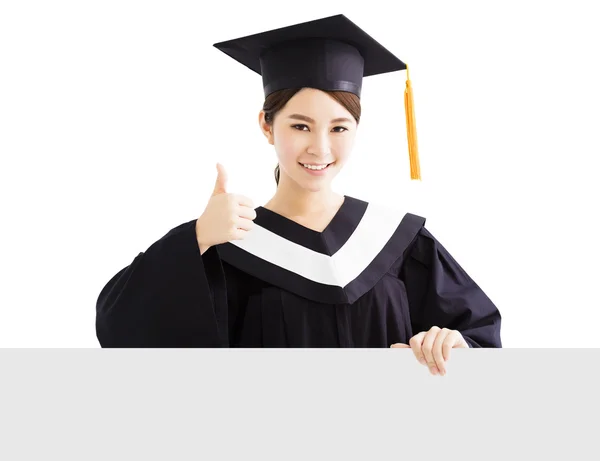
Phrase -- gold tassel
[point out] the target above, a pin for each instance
(411, 130)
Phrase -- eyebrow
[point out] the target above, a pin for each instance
(310, 120)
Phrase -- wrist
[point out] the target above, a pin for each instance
(202, 245)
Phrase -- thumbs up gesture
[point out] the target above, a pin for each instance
(226, 216)
(221, 182)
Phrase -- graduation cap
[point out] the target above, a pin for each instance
(330, 54)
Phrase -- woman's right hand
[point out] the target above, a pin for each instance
(226, 216)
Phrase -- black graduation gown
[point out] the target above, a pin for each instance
(372, 278)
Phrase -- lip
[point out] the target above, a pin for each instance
(316, 172)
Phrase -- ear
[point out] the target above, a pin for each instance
(265, 127)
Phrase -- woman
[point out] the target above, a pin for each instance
(310, 268)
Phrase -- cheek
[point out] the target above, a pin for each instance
(342, 146)
(288, 147)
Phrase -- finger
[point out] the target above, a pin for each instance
(447, 346)
(221, 182)
(239, 234)
(400, 345)
(451, 341)
(460, 340)
(427, 349)
(416, 344)
(242, 200)
(245, 224)
(437, 352)
(247, 212)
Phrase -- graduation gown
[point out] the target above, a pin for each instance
(372, 278)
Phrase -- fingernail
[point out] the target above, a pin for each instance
(422, 361)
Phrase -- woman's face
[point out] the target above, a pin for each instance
(313, 136)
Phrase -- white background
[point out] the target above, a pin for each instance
(114, 113)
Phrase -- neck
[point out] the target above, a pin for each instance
(292, 200)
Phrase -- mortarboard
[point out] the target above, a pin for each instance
(330, 54)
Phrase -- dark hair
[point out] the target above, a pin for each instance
(277, 100)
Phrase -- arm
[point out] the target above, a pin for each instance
(441, 293)
(169, 296)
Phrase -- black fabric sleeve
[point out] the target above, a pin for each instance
(442, 294)
(169, 296)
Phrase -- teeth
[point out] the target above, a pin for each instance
(315, 167)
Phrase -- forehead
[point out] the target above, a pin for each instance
(312, 102)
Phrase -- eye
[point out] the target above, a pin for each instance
(300, 127)
(341, 128)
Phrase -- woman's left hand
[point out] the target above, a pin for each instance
(432, 348)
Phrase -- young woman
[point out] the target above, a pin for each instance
(310, 268)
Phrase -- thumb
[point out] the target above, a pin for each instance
(221, 182)
(400, 345)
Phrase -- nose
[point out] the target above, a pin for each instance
(320, 145)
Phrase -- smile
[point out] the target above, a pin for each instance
(315, 167)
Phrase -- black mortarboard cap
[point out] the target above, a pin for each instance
(330, 54)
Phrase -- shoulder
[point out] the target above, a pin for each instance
(391, 228)
(181, 228)
(182, 235)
